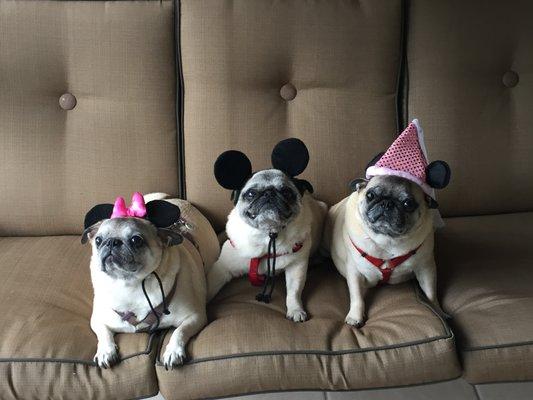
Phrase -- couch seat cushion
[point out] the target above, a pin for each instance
(46, 343)
(486, 275)
(251, 347)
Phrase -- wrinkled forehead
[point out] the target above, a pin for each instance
(268, 178)
(125, 227)
(391, 185)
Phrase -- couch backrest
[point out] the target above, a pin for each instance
(118, 59)
(470, 69)
(341, 61)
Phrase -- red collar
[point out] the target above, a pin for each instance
(386, 270)
(257, 279)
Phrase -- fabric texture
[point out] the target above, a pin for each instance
(46, 343)
(237, 55)
(251, 347)
(117, 59)
(485, 283)
(459, 55)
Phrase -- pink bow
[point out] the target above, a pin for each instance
(136, 209)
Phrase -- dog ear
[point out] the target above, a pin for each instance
(97, 214)
(438, 174)
(290, 156)
(374, 160)
(161, 213)
(432, 203)
(232, 169)
(302, 185)
(89, 232)
(358, 184)
(169, 237)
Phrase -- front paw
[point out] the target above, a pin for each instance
(174, 356)
(297, 315)
(106, 356)
(355, 320)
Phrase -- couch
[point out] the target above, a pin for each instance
(103, 98)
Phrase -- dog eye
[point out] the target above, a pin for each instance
(250, 194)
(370, 196)
(409, 204)
(137, 241)
(287, 193)
(98, 240)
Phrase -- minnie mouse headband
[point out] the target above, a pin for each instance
(233, 168)
(159, 212)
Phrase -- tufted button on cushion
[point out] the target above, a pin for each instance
(288, 92)
(510, 79)
(67, 101)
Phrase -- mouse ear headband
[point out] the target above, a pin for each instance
(407, 158)
(160, 213)
(233, 168)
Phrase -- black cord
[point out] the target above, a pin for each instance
(270, 278)
(165, 309)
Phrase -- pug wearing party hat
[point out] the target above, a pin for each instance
(383, 233)
(148, 267)
(275, 226)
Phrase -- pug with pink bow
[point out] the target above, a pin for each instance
(148, 268)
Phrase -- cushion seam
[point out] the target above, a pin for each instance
(77, 361)
(497, 346)
(317, 352)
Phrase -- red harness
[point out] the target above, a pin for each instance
(257, 279)
(385, 269)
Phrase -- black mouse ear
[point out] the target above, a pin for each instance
(161, 213)
(97, 214)
(438, 174)
(290, 156)
(374, 160)
(232, 169)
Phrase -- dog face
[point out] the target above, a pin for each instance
(392, 206)
(269, 201)
(129, 248)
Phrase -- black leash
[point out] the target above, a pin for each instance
(270, 278)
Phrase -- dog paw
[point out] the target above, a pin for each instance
(357, 322)
(297, 315)
(174, 357)
(106, 356)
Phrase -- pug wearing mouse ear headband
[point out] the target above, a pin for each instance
(148, 268)
(383, 232)
(275, 225)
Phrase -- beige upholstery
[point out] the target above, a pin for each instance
(251, 347)
(463, 59)
(342, 58)
(47, 346)
(486, 284)
(117, 59)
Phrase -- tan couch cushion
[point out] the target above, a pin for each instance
(251, 347)
(117, 59)
(46, 344)
(342, 58)
(463, 59)
(487, 280)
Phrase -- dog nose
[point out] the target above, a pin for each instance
(116, 242)
(388, 204)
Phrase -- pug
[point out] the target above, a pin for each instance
(148, 269)
(275, 226)
(384, 232)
